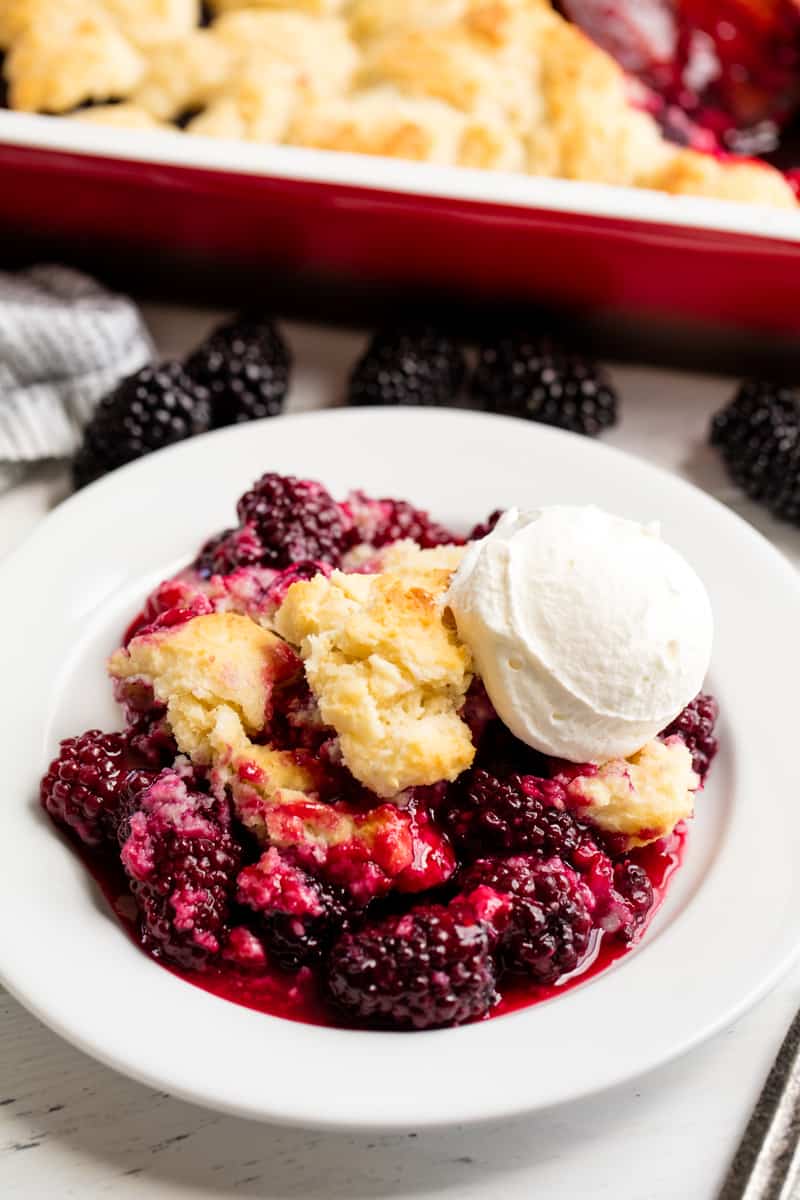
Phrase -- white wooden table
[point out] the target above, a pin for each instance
(72, 1128)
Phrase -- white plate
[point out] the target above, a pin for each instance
(730, 927)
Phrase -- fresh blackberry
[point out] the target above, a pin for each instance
(422, 969)
(85, 784)
(550, 925)
(298, 915)
(182, 863)
(484, 528)
(229, 550)
(758, 434)
(695, 725)
(295, 519)
(381, 522)
(517, 813)
(155, 407)
(245, 366)
(536, 378)
(408, 366)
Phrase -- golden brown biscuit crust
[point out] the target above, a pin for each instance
(388, 671)
(493, 84)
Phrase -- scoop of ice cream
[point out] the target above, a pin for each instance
(590, 633)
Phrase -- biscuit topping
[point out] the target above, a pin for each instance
(389, 673)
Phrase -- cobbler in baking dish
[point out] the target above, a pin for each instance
(505, 84)
(374, 773)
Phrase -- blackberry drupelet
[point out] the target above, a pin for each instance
(758, 435)
(85, 784)
(408, 366)
(419, 970)
(695, 725)
(523, 375)
(294, 519)
(550, 925)
(245, 365)
(156, 407)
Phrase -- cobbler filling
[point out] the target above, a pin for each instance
(242, 841)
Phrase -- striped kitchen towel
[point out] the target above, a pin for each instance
(64, 343)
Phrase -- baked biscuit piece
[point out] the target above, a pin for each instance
(318, 47)
(209, 661)
(463, 70)
(499, 20)
(183, 75)
(590, 131)
(370, 19)
(68, 56)
(215, 674)
(430, 569)
(141, 21)
(383, 122)
(145, 22)
(119, 116)
(642, 797)
(16, 16)
(256, 105)
(487, 142)
(689, 173)
(388, 672)
(317, 8)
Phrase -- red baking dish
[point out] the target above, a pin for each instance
(487, 234)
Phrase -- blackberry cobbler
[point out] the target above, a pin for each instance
(375, 773)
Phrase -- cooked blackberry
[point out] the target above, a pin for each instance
(381, 522)
(245, 365)
(695, 725)
(633, 884)
(298, 915)
(295, 519)
(502, 754)
(484, 528)
(182, 862)
(758, 434)
(229, 550)
(422, 969)
(156, 407)
(550, 924)
(512, 814)
(524, 375)
(408, 366)
(150, 736)
(87, 781)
